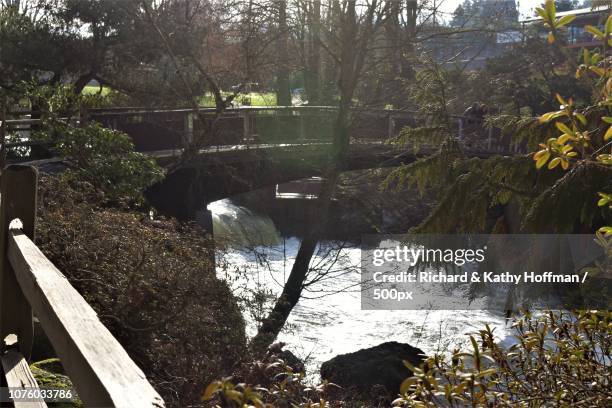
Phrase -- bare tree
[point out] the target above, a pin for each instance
(356, 31)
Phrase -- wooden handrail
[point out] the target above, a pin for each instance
(98, 366)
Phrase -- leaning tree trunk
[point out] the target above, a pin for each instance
(351, 64)
(292, 291)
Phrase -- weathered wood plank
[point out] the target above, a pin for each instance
(101, 370)
(17, 200)
(18, 375)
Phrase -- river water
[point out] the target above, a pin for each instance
(256, 259)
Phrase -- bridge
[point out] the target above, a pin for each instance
(258, 146)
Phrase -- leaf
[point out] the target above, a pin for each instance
(542, 160)
(405, 386)
(607, 119)
(581, 118)
(560, 99)
(595, 31)
(563, 128)
(565, 20)
(586, 56)
(211, 389)
(554, 163)
(608, 134)
(564, 164)
(547, 117)
(598, 71)
(608, 27)
(551, 9)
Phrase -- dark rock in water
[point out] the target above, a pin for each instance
(366, 368)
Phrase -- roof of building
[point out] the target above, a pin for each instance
(577, 12)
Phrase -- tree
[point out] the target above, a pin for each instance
(283, 93)
(356, 30)
(566, 5)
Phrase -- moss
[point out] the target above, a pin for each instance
(50, 374)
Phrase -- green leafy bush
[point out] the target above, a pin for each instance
(559, 359)
(105, 158)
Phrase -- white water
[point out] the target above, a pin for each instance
(328, 321)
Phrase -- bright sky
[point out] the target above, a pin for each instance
(526, 7)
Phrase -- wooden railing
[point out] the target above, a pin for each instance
(30, 285)
(168, 129)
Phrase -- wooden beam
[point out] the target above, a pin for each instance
(17, 200)
(18, 376)
(101, 370)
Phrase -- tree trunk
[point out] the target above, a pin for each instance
(312, 80)
(351, 64)
(283, 92)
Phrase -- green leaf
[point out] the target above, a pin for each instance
(554, 163)
(542, 13)
(608, 134)
(563, 128)
(565, 20)
(211, 390)
(547, 117)
(581, 118)
(609, 25)
(405, 386)
(607, 119)
(542, 160)
(595, 31)
(551, 9)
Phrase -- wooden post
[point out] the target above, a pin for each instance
(83, 116)
(3, 132)
(301, 124)
(17, 200)
(390, 126)
(188, 128)
(246, 126)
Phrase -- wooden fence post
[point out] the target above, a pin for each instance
(247, 131)
(3, 130)
(390, 126)
(188, 129)
(17, 200)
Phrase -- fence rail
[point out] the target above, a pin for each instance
(98, 366)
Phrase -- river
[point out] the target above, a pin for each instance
(256, 259)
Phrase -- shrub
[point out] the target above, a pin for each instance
(559, 359)
(152, 283)
(105, 158)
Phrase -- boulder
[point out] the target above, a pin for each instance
(382, 365)
(291, 360)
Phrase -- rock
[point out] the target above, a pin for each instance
(291, 360)
(366, 368)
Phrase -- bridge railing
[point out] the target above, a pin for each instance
(164, 129)
(98, 366)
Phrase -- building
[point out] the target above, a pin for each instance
(577, 36)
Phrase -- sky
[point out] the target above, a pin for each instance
(525, 6)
